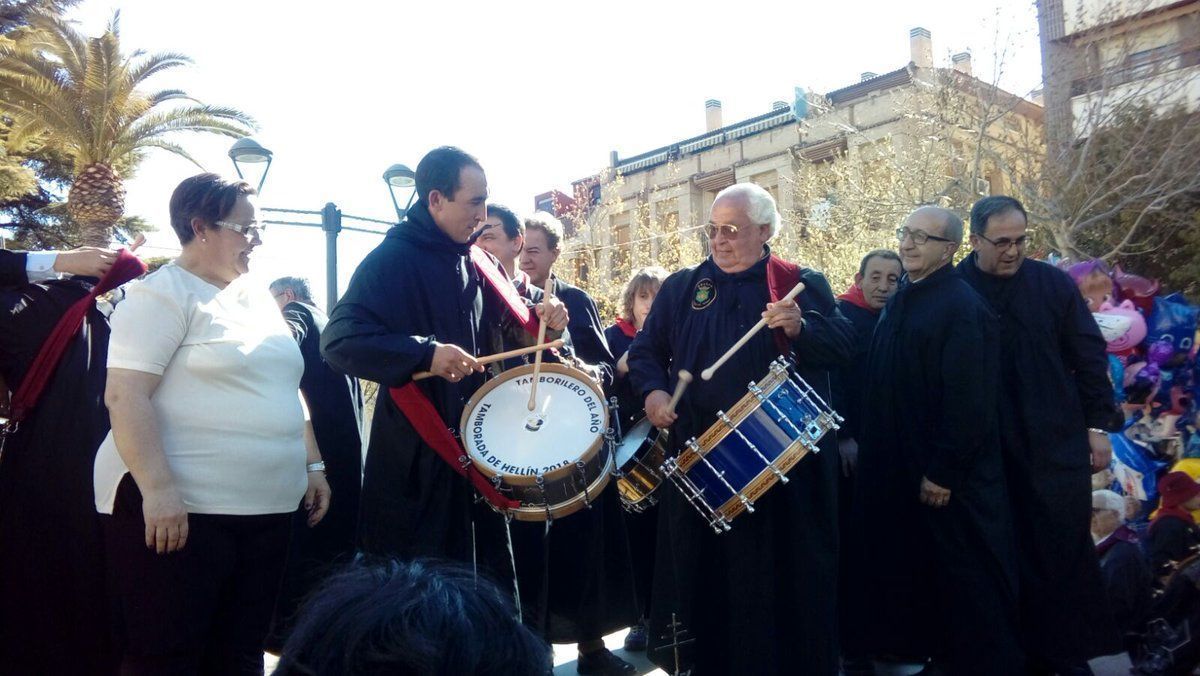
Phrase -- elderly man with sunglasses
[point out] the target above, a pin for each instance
(761, 598)
(1056, 407)
(938, 569)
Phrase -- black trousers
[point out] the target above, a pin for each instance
(202, 610)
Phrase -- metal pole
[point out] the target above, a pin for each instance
(331, 223)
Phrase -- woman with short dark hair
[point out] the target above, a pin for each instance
(207, 456)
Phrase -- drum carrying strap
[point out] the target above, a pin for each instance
(425, 420)
(127, 267)
(424, 417)
(781, 277)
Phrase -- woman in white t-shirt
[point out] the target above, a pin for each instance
(210, 452)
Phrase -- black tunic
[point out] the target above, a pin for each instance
(12, 268)
(847, 385)
(1054, 385)
(761, 598)
(417, 287)
(335, 406)
(1171, 539)
(642, 528)
(1127, 581)
(942, 581)
(576, 580)
(53, 606)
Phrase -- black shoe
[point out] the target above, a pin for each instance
(602, 661)
(635, 640)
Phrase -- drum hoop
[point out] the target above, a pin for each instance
(568, 507)
(553, 475)
(764, 480)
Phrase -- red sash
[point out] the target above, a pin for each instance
(425, 419)
(126, 267)
(781, 277)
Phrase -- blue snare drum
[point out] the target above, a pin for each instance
(752, 446)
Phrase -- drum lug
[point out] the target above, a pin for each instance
(614, 430)
(580, 467)
(694, 496)
(725, 419)
(540, 479)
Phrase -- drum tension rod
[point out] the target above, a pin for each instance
(721, 475)
(587, 499)
(769, 463)
(540, 479)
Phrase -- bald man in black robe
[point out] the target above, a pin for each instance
(936, 560)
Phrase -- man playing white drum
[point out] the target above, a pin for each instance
(760, 598)
(421, 301)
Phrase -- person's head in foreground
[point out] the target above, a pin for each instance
(411, 618)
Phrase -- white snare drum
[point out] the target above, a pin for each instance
(555, 459)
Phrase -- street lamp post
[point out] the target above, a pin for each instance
(400, 176)
(246, 150)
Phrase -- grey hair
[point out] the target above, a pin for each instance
(760, 206)
(297, 285)
(1106, 499)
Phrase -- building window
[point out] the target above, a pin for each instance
(546, 205)
(595, 194)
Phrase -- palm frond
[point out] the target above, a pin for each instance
(86, 96)
(174, 148)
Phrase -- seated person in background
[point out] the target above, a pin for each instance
(1173, 531)
(420, 618)
(1127, 577)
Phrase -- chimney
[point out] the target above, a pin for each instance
(612, 159)
(867, 75)
(962, 62)
(780, 105)
(920, 43)
(712, 115)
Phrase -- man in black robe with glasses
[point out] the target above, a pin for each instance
(1056, 409)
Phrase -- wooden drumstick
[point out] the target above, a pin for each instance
(537, 360)
(707, 373)
(501, 356)
(685, 378)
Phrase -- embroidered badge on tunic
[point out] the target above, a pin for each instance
(704, 294)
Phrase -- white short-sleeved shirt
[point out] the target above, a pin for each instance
(228, 407)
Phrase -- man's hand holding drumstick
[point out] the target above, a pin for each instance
(453, 363)
(660, 406)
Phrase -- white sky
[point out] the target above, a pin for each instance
(540, 92)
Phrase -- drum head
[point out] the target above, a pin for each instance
(503, 437)
(633, 441)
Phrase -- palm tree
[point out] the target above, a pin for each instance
(86, 99)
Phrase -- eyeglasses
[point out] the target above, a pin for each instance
(919, 237)
(1004, 243)
(252, 230)
(730, 231)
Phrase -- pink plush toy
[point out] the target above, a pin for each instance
(1122, 325)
